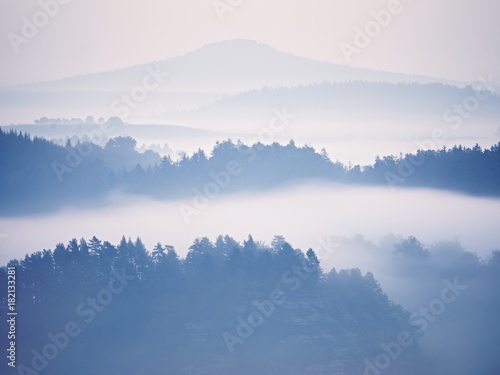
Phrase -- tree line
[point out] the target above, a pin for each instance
(226, 307)
(38, 175)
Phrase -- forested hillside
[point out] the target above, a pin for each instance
(38, 175)
(91, 307)
(225, 308)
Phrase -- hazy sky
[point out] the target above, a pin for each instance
(453, 39)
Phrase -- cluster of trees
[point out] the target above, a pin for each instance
(471, 170)
(463, 333)
(64, 121)
(38, 175)
(226, 308)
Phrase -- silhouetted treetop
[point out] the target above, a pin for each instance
(74, 174)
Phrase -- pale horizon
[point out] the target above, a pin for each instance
(66, 46)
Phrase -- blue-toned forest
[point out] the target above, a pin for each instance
(38, 175)
(225, 308)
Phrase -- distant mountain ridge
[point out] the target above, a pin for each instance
(228, 72)
(235, 65)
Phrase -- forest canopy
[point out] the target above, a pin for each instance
(227, 307)
(84, 171)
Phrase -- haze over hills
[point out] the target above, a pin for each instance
(352, 103)
(230, 66)
(244, 187)
(101, 132)
(195, 79)
(234, 89)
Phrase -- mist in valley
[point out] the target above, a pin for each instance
(241, 201)
(369, 228)
(365, 221)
